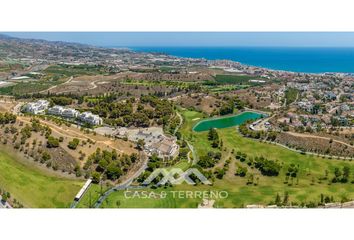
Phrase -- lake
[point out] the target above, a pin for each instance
(225, 122)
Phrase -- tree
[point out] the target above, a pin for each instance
(337, 175)
(212, 134)
(6, 118)
(278, 200)
(4, 197)
(45, 156)
(73, 143)
(267, 167)
(113, 172)
(227, 108)
(346, 173)
(286, 198)
(140, 144)
(52, 142)
(241, 171)
(96, 177)
(61, 100)
(214, 137)
(102, 165)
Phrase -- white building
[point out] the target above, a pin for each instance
(56, 110)
(63, 112)
(36, 107)
(88, 117)
(305, 105)
(70, 113)
(165, 148)
(344, 107)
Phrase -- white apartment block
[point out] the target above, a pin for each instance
(63, 112)
(70, 113)
(56, 110)
(37, 107)
(90, 118)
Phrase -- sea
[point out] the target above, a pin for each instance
(295, 59)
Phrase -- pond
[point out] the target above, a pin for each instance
(225, 122)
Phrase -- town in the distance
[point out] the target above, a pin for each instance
(92, 127)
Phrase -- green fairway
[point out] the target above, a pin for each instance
(33, 187)
(235, 79)
(156, 199)
(307, 188)
(91, 195)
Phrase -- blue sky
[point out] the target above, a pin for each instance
(202, 39)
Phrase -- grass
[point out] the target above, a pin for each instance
(91, 196)
(74, 70)
(167, 83)
(235, 79)
(225, 88)
(157, 199)
(200, 139)
(291, 95)
(309, 187)
(32, 186)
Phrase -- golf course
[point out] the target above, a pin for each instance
(312, 184)
(32, 186)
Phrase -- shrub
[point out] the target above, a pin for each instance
(74, 143)
(52, 142)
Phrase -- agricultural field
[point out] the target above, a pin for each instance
(33, 186)
(27, 87)
(75, 70)
(9, 65)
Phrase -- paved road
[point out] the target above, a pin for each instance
(180, 123)
(190, 146)
(123, 185)
(307, 153)
(194, 154)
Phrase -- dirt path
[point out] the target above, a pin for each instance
(72, 133)
(52, 87)
(92, 85)
(314, 136)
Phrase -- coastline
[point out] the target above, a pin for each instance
(231, 58)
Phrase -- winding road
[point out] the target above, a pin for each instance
(123, 185)
(52, 87)
(190, 146)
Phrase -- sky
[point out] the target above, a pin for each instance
(201, 39)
